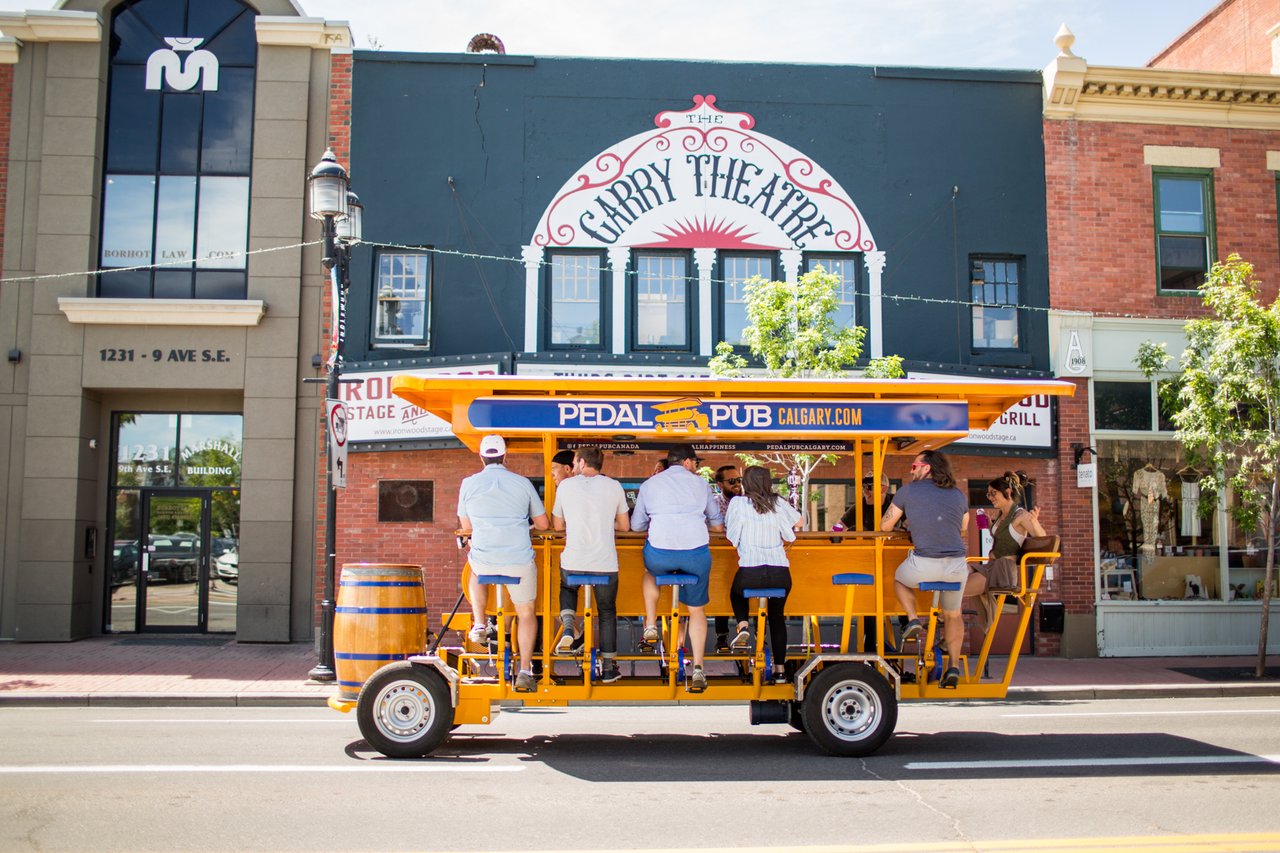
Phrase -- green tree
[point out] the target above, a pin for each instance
(792, 329)
(1226, 402)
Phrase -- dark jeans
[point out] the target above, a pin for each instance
(763, 577)
(606, 605)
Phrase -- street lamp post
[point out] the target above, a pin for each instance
(339, 211)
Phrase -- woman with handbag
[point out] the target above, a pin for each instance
(1013, 525)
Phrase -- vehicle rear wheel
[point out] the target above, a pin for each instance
(404, 710)
(849, 710)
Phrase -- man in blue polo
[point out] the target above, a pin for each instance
(678, 509)
(497, 506)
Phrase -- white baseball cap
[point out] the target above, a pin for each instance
(492, 446)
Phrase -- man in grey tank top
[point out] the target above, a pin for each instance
(937, 514)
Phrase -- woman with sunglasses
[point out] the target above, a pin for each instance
(761, 525)
(1013, 524)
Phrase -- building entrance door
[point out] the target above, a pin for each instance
(174, 523)
(174, 561)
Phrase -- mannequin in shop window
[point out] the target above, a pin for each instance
(1149, 487)
(1189, 501)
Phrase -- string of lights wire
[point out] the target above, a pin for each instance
(480, 256)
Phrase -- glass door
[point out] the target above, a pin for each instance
(174, 561)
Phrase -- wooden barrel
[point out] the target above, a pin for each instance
(381, 616)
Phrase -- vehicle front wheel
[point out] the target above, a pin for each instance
(404, 710)
(849, 710)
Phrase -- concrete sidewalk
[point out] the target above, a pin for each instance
(162, 670)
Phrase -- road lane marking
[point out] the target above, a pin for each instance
(1199, 843)
(363, 767)
(144, 721)
(1204, 713)
(1136, 761)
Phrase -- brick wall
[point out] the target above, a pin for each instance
(1075, 507)
(1102, 224)
(1231, 37)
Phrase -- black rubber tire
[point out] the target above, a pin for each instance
(404, 710)
(849, 710)
(796, 717)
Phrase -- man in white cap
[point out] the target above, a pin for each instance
(497, 506)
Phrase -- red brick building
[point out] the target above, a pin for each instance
(1152, 175)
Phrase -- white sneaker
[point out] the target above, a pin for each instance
(477, 634)
(565, 645)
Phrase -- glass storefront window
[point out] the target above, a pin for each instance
(1122, 405)
(1160, 536)
(145, 450)
(210, 453)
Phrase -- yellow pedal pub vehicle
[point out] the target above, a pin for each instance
(844, 697)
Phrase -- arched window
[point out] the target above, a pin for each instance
(179, 142)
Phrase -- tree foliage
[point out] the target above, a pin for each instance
(1226, 402)
(793, 329)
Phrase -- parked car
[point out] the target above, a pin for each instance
(227, 566)
(124, 563)
(173, 559)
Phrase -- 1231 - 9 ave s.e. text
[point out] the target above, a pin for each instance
(178, 355)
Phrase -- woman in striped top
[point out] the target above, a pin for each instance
(761, 525)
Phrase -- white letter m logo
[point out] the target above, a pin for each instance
(167, 66)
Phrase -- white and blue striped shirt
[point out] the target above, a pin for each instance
(759, 538)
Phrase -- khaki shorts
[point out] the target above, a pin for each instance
(519, 593)
(915, 570)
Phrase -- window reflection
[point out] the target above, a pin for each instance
(127, 219)
(224, 223)
(175, 219)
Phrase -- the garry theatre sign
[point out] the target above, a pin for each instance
(708, 181)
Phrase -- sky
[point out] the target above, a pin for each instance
(946, 33)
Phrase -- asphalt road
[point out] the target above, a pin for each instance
(967, 777)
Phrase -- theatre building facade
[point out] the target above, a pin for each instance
(579, 217)
(160, 311)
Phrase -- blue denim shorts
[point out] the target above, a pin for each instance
(696, 561)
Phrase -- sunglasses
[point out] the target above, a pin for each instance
(915, 465)
(733, 481)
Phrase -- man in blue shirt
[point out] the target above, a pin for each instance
(497, 506)
(679, 511)
(937, 514)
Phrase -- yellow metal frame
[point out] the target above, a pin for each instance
(814, 557)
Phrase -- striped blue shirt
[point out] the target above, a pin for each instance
(759, 538)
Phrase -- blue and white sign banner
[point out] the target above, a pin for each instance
(692, 416)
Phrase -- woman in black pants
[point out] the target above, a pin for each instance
(760, 525)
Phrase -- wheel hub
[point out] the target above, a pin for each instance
(850, 711)
(403, 710)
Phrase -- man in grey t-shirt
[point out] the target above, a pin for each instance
(937, 514)
(590, 507)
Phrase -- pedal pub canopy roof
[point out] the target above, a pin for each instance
(714, 414)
